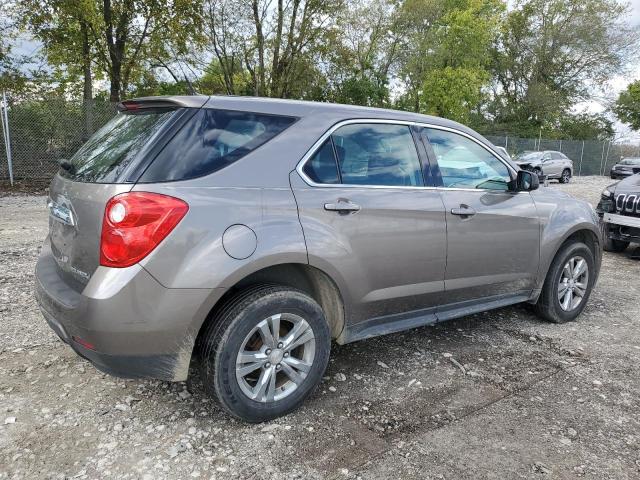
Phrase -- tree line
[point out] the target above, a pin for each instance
(518, 70)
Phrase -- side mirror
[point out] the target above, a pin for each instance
(527, 181)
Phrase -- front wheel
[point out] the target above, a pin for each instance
(265, 352)
(568, 284)
(566, 176)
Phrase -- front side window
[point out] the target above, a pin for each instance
(377, 154)
(465, 164)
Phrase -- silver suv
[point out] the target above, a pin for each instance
(247, 234)
(548, 163)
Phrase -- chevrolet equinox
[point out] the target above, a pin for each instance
(248, 233)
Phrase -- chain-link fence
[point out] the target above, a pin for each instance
(590, 157)
(44, 131)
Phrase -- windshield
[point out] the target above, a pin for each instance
(114, 146)
(529, 156)
(630, 161)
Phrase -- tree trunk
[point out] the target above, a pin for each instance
(87, 94)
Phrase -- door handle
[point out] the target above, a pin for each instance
(463, 211)
(342, 207)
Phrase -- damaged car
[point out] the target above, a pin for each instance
(548, 164)
(244, 235)
(619, 210)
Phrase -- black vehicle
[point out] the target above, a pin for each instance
(625, 168)
(619, 210)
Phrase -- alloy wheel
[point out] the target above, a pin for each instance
(275, 357)
(573, 283)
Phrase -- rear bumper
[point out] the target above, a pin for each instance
(124, 321)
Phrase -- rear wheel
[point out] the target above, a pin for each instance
(264, 352)
(566, 176)
(568, 284)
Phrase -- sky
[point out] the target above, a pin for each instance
(620, 82)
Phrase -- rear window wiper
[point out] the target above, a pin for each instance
(66, 165)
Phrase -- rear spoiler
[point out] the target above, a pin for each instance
(176, 101)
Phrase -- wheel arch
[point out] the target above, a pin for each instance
(586, 233)
(301, 276)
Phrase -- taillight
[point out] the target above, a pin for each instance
(134, 224)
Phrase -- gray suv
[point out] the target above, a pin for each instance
(548, 163)
(247, 234)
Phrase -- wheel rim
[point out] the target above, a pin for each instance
(565, 176)
(275, 357)
(573, 283)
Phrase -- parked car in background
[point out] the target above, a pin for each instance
(547, 163)
(251, 232)
(619, 209)
(625, 167)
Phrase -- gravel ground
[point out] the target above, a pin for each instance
(495, 395)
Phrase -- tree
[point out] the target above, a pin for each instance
(627, 107)
(453, 86)
(271, 43)
(551, 54)
(117, 36)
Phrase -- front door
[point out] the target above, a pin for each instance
(369, 222)
(493, 233)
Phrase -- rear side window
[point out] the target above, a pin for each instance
(112, 148)
(322, 167)
(211, 140)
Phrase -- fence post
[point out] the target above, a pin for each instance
(560, 146)
(506, 141)
(604, 144)
(7, 137)
(581, 155)
(606, 159)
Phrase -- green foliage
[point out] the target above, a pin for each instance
(552, 54)
(627, 108)
(453, 92)
(520, 71)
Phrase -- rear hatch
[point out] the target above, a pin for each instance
(108, 164)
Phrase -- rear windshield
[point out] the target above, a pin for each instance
(112, 148)
(630, 161)
(211, 140)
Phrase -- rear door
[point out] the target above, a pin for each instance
(370, 222)
(493, 233)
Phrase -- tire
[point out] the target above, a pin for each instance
(566, 176)
(228, 331)
(612, 245)
(549, 306)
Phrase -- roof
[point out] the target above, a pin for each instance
(295, 108)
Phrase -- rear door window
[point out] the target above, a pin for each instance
(115, 146)
(211, 140)
(377, 154)
(322, 167)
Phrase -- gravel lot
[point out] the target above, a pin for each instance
(500, 395)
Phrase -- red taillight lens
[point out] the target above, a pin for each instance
(134, 224)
